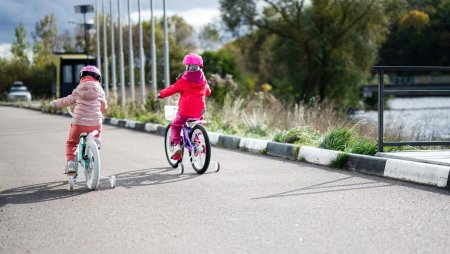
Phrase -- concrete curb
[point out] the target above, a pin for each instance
(287, 151)
(417, 172)
(318, 155)
(366, 164)
(411, 171)
(229, 141)
(253, 145)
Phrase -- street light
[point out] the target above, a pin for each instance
(84, 9)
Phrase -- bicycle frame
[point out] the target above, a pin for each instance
(187, 128)
(82, 152)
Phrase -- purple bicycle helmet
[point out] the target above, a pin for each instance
(90, 70)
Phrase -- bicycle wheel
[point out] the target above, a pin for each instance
(92, 166)
(201, 152)
(168, 147)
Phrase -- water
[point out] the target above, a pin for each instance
(423, 118)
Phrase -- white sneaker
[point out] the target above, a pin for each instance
(176, 150)
(70, 167)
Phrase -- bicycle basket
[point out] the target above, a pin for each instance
(170, 112)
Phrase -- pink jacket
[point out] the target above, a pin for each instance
(89, 100)
(192, 99)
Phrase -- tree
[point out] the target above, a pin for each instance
(419, 35)
(20, 47)
(209, 37)
(45, 38)
(65, 42)
(323, 49)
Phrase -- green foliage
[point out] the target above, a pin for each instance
(419, 35)
(222, 87)
(325, 49)
(220, 62)
(337, 139)
(45, 38)
(299, 136)
(363, 146)
(20, 46)
(340, 162)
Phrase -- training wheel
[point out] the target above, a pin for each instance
(181, 168)
(216, 166)
(71, 183)
(112, 181)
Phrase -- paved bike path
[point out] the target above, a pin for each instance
(255, 204)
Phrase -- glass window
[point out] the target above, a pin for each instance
(67, 74)
(78, 68)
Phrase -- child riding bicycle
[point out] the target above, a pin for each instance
(89, 100)
(193, 88)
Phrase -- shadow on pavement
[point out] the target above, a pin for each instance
(330, 186)
(153, 176)
(58, 190)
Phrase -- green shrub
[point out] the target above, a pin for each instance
(337, 139)
(340, 162)
(363, 146)
(298, 136)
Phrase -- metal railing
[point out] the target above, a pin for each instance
(382, 92)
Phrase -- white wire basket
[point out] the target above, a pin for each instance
(170, 112)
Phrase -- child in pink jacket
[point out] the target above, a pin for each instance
(193, 89)
(89, 100)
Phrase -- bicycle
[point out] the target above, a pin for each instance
(194, 138)
(87, 155)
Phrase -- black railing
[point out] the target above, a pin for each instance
(381, 93)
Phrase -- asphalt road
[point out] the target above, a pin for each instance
(255, 204)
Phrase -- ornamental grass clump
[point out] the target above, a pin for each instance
(363, 146)
(337, 139)
(298, 136)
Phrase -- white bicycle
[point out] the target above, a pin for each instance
(87, 155)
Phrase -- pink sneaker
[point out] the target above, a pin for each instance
(176, 157)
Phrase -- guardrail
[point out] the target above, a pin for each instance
(382, 92)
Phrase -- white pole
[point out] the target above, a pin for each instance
(141, 56)
(122, 71)
(105, 57)
(166, 50)
(131, 54)
(113, 54)
(97, 34)
(153, 52)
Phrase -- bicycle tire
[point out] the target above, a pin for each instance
(167, 145)
(92, 171)
(202, 146)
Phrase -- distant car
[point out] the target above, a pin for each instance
(19, 91)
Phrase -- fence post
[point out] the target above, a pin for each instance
(380, 110)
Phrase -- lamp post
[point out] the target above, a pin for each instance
(105, 56)
(83, 9)
(166, 49)
(113, 54)
(131, 55)
(141, 56)
(153, 51)
(97, 34)
(121, 60)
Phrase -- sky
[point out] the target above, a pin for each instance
(196, 12)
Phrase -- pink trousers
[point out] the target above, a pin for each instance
(74, 138)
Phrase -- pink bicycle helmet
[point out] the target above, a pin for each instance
(193, 59)
(90, 70)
